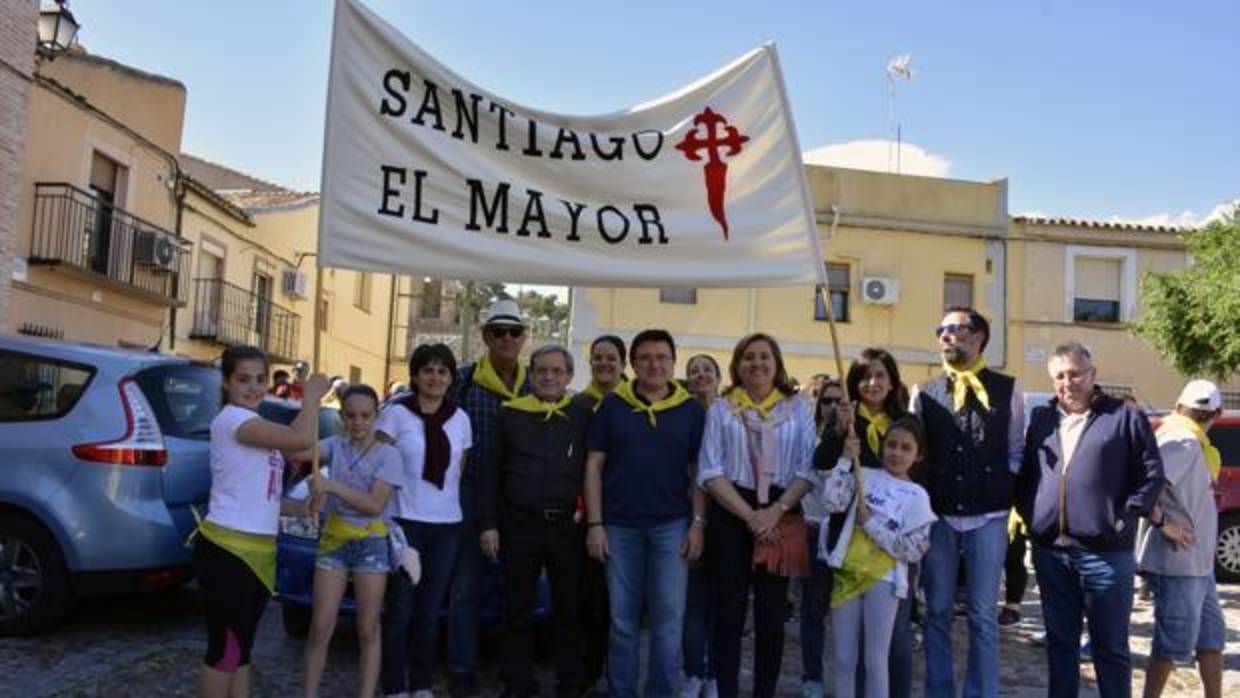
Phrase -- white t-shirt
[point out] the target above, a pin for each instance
(246, 482)
(417, 499)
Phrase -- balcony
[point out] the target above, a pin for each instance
(77, 231)
(232, 315)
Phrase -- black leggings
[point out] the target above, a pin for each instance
(1015, 574)
(234, 598)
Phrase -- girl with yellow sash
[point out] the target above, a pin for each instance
(883, 535)
(876, 397)
(235, 552)
(353, 542)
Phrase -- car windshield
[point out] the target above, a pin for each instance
(185, 398)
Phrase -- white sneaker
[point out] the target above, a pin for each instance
(692, 687)
(711, 689)
(811, 689)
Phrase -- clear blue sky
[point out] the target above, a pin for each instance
(1090, 109)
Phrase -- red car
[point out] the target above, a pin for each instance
(1225, 435)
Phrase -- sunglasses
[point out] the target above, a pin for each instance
(512, 332)
(952, 329)
(830, 401)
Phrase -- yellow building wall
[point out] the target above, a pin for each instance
(61, 137)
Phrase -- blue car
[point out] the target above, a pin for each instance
(103, 451)
(297, 548)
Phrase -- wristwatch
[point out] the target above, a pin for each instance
(699, 519)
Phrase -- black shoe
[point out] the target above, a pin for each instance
(1008, 616)
(464, 686)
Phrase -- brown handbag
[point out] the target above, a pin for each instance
(789, 556)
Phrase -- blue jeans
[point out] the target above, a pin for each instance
(409, 614)
(1073, 581)
(464, 595)
(699, 623)
(1187, 617)
(646, 571)
(983, 550)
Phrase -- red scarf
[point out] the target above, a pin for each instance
(438, 449)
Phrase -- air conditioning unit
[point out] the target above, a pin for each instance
(293, 282)
(880, 290)
(155, 250)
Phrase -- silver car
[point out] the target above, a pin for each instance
(103, 452)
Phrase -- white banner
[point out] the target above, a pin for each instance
(426, 173)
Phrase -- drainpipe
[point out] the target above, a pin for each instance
(179, 187)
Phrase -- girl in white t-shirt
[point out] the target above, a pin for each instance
(432, 435)
(354, 541)
(235, 553)
(885, 531)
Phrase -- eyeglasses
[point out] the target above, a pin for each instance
(512, 332)
(952, 329)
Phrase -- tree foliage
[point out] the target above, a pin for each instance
(1192, 316)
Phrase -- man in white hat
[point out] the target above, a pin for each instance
(480, 389)
(1176, 553)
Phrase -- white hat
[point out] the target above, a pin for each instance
(1201, 394)
(504, 312)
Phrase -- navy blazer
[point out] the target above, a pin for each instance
(1114, 478)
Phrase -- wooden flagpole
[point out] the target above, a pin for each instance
(314, 368)
(825, 292)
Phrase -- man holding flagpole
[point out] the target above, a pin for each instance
(481, 388)
(974, 419)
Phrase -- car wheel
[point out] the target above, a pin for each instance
(34, 585)
(1227, 554)
(296, 619)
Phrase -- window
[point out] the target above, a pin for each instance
(325, 315)
(362, 290)
(432, 299)
(1101, 284)
(957, 291)
(678, 295)
(838, 284)
(355, 375)
(185, 398)
(262, 307)
(33, 387)
(1231, 400)
(1226, 438)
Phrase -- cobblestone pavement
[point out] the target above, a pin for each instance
(152, 645)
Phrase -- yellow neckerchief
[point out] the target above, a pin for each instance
(1178, 421)
(596, 393)
(485, 376)
(535, 405)
(965, 380)
(877, 429)
(865, 564)
(741, 401)
(256, 550)
(625, 391)
(339, 531)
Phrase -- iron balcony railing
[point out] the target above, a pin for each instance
(232, 315)
(77, 229)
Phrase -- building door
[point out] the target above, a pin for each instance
(208, 289)
(107, 182)
(262, 309)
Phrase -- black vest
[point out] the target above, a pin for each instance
(966, 467)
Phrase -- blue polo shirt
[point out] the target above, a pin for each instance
(646, 480)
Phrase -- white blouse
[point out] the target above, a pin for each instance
(725, 451)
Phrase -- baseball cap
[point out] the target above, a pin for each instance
(504, 312)
(1201, 394)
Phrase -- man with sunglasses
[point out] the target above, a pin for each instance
(974, 418)
(481, 388)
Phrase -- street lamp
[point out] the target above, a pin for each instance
(57, 28)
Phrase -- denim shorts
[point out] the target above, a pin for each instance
(1187, 617)
(369, 554)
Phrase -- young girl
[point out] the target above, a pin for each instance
(235, 554)
(364, 473)
(871, 558)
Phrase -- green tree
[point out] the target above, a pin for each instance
(1192, 316)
